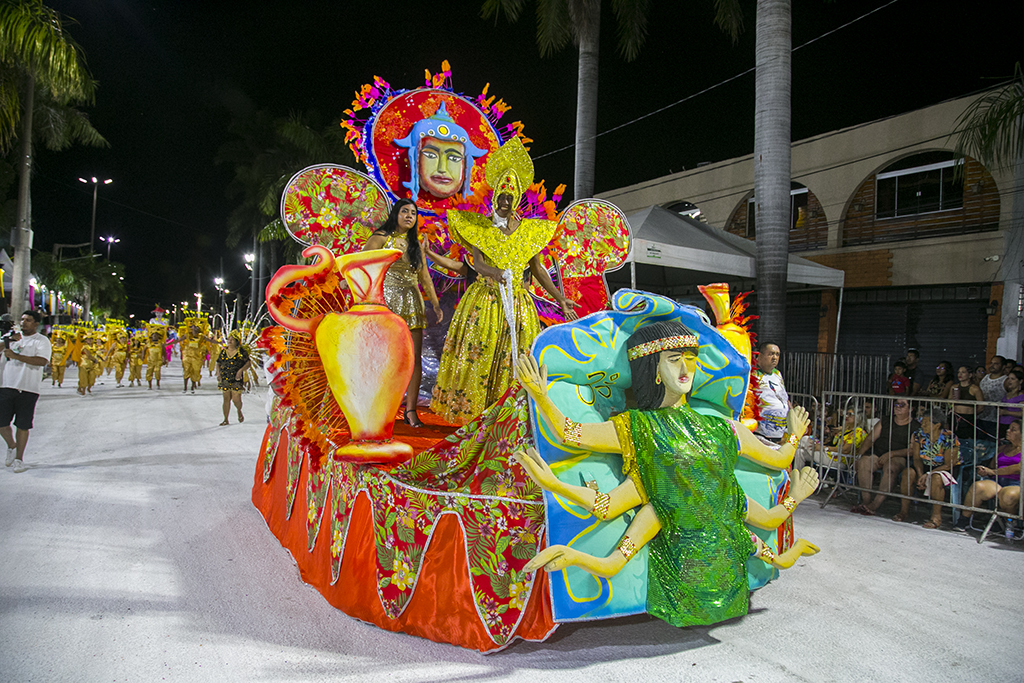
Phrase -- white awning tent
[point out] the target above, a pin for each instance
(671, 253)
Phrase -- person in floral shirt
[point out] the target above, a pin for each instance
(934, 453)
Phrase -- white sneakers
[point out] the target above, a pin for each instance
(19, 466)
(12, 453)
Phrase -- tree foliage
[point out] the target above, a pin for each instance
(71, 274)
(992, 128)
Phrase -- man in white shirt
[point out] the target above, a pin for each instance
(774, 400)
(26, 354)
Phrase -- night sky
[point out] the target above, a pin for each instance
(174, 73)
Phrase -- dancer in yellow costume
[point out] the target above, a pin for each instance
(117, 355)
(476, 365)
(136, 358)
(154, 357)
(89, 366)
(191, 345)
(58, 358)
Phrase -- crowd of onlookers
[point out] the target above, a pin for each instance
(938, 437)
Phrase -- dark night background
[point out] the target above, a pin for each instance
(173, 73)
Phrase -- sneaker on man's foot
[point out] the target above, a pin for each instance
(12, 453)
(19, 466)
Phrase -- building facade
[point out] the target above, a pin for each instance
(930, 245)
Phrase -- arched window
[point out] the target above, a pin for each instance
(923, 183)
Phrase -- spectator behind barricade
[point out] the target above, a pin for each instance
(1015, 397)
(941, 383)
(899, 383)
(979, 374)
(935, 453)
(993, 390)
(1006, 487)
(848, 439)
(886, 449)
(914, 373)
(773, 399)
(973, 449)
(870, 419)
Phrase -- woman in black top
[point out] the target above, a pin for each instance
(886, 449)
(231, 367)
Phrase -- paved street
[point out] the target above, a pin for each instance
(130, 551)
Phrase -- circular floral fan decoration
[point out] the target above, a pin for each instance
(333, 206)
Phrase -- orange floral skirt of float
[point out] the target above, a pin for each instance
(434, 547)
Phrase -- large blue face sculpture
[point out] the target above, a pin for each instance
(440, 156)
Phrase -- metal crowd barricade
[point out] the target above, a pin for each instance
(814, 373)
(978, 445)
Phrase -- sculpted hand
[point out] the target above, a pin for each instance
(533, 378)
(803, 483)
(801, 547)
(537, 469)
(797, 421)
(554, 558)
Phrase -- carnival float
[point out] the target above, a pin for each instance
(672, 509)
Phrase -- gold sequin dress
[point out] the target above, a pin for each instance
(476, 364)
(402, 287)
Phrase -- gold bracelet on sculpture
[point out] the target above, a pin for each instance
(627, 548)
(791, 439)
(789, 503)
(601, 503)
(766, 554)
(573, 433)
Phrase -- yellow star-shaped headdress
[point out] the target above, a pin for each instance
(510, 170)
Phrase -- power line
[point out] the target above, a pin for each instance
(716, 85)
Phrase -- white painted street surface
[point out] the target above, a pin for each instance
(130, 551)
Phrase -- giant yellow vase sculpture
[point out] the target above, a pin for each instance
(366, 351)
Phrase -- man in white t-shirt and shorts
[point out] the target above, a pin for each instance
(774, 400)
(26, 353)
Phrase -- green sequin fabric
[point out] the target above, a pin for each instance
(697, 570)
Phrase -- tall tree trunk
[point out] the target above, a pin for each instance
(586, 105)
(22, 233)
(1011, 328)
(772, 165)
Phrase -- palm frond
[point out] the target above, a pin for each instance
(33, 35)
(631, 26)
(992, 127)
(59, 126)
(554, 27)
(510, 8)
(729, 18)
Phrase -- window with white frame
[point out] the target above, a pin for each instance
(909, 190)
(797, 210)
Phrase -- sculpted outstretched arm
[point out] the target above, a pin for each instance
(593, 436)
(751, 448)
(802, 484)
(642, 529)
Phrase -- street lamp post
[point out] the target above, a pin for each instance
(92, 239)
(110, 240)
(250, 263)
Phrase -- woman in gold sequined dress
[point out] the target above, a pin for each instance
(401, 287)
(476, 364)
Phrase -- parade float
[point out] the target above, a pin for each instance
(431, 532)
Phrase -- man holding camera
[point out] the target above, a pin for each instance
(25, 355)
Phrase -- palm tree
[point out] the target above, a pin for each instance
(35, 52)
(772, 164)
(85, 274)
(558, 22)
(992, 130)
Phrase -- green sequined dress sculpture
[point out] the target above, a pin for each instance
(685, 463)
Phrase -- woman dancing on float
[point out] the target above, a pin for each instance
(680, 471)
(401, 290)
(476, 364)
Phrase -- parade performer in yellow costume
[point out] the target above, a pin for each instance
(154, 356)
(89, 366)
(136, 358)
(58, 358)
(496, 319)
(191, 344)
(117, 355)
